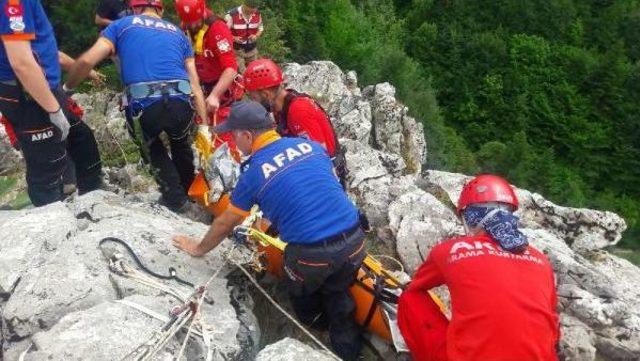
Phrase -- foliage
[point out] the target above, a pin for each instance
(544, 93)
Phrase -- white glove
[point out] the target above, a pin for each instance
(59, 120)
(204, 129)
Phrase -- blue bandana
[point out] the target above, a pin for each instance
(501, 225)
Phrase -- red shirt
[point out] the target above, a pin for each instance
(503, 304)
(9, 129)
(214, 53)
(307, 120)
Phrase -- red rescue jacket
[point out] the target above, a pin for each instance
(302, 117)
(503, 304)
(213, 47)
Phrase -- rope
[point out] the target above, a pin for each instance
(394, 260)
(172, 271)
(196, 313)
(284, 312)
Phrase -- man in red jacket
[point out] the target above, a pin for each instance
(503, 295)
(213, 45)
(296, 114)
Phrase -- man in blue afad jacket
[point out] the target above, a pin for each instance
(293, 183)
(158, 70)
(32, 99)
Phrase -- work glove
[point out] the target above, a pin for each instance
(59, 120)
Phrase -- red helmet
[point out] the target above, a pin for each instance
(262, 74)
(487, 188)
(152, 3)
(190, 11)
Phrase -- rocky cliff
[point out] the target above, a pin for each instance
(60, 301)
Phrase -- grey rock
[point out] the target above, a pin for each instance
(28, 238)
(323, 80)
(583, 229)
(10, 159)
(419, 222)
(576, 343)
(108, 331)
(290, 349)
(394, 130)
(65, 282)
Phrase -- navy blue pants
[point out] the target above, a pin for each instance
(318, 281)
(44, 153)
(174, 174)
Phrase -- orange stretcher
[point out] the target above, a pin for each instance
(374, 285)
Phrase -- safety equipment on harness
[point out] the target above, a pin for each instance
(135, 94)
(487, 188)
(190, 11)
(59, 120)
(152, 3)
(262, 74)
(158, 89)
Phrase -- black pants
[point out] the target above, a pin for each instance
(173, 174)
(45, 155)
(318, 281)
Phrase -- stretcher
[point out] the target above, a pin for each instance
(375, 291)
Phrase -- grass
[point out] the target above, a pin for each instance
(7, 184)
(10, 197)
(631, 255)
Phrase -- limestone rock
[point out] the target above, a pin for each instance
(289, 349)
(419, 222)
(10, 159)
(394, 130)
(583, 229)
(58, 280)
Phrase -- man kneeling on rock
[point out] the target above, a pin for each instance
(503, 295)
(292, 181)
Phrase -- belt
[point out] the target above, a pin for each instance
(332, 240)
(158, 89)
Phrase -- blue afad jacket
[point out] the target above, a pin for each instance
(293, 183)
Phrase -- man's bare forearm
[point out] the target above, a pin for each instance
(66, 62)
(221, 227)
(225, 81)
(78, 72)
(30, 74)
(100, 21)
(198, 95)
(82, 67)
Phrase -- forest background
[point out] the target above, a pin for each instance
(543, 92)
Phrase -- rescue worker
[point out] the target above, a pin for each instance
(292, 181)
(296, 114)
(245, 23)
(159, 74)
(109, 11)
(214, 56)
(69, 175)
(33, 101)
(503, 293)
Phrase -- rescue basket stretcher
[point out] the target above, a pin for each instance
(376, 290)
